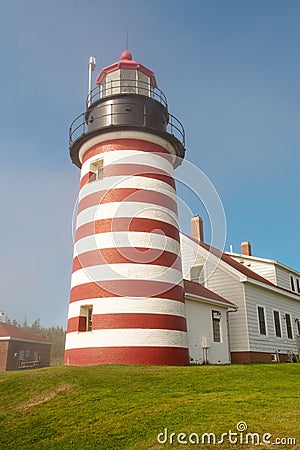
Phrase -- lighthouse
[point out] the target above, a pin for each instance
(127, 296)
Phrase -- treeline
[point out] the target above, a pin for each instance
(56, 335)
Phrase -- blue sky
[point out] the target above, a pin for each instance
(230, 70)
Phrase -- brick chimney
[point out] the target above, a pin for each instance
(246, 248)
(197, 228)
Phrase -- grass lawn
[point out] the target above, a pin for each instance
(115, 407)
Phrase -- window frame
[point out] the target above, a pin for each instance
(279, 328)
(298, 326)
(96, 172)
(89, 318)
(216, 322)
(298, 285)
(292, 282)
(263, 309)
(289, 326)
(86, 312)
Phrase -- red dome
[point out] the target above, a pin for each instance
(126, 55)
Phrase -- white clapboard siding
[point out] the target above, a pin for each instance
(283, 277)
(258, 296)
(199, 326)
(191, 255)
(264, 269)
(224, 284)
(269, 269)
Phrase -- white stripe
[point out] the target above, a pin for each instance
(158, 160)
(126, 305)
(126, 272)
(125, 134)
(130, 182)
(152, 160)
(127, 209)
(129, 337)
(126, 239)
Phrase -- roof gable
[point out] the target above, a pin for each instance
(240, 268)
(263, 260)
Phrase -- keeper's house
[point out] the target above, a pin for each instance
(22, 350)
(265, 326)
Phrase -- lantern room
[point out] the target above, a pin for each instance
(126, 97)
(126, 77)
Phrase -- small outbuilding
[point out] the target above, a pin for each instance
(22, 350)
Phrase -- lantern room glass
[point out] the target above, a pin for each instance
(125, 81)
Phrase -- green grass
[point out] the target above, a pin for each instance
(115, 407)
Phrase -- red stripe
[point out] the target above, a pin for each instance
(76, 324)
(84, 180)
(125, 144)
(129, 320)
(127, 224)
(127, 195)
(157, 356)
(128, 170)
(131, 255)
(127, 288)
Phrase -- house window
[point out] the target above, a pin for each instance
(261, 320)
(289, 330)
(96, 170)
(292, 283)
(85, 322)
(216, 322)
(36, 356)
(298, 285)
(197, 274)
(298, 326)
(277, 323)
(24, 355)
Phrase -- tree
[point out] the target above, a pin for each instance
(25, 325)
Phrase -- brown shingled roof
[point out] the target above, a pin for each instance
(193, 288)
(7, 330)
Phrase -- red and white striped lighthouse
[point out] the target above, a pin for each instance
(127, 297)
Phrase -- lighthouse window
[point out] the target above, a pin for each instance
(112, 84)
(143, 83)
(96, 170)
(86, 318)
(128, 81)
(89, 318)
